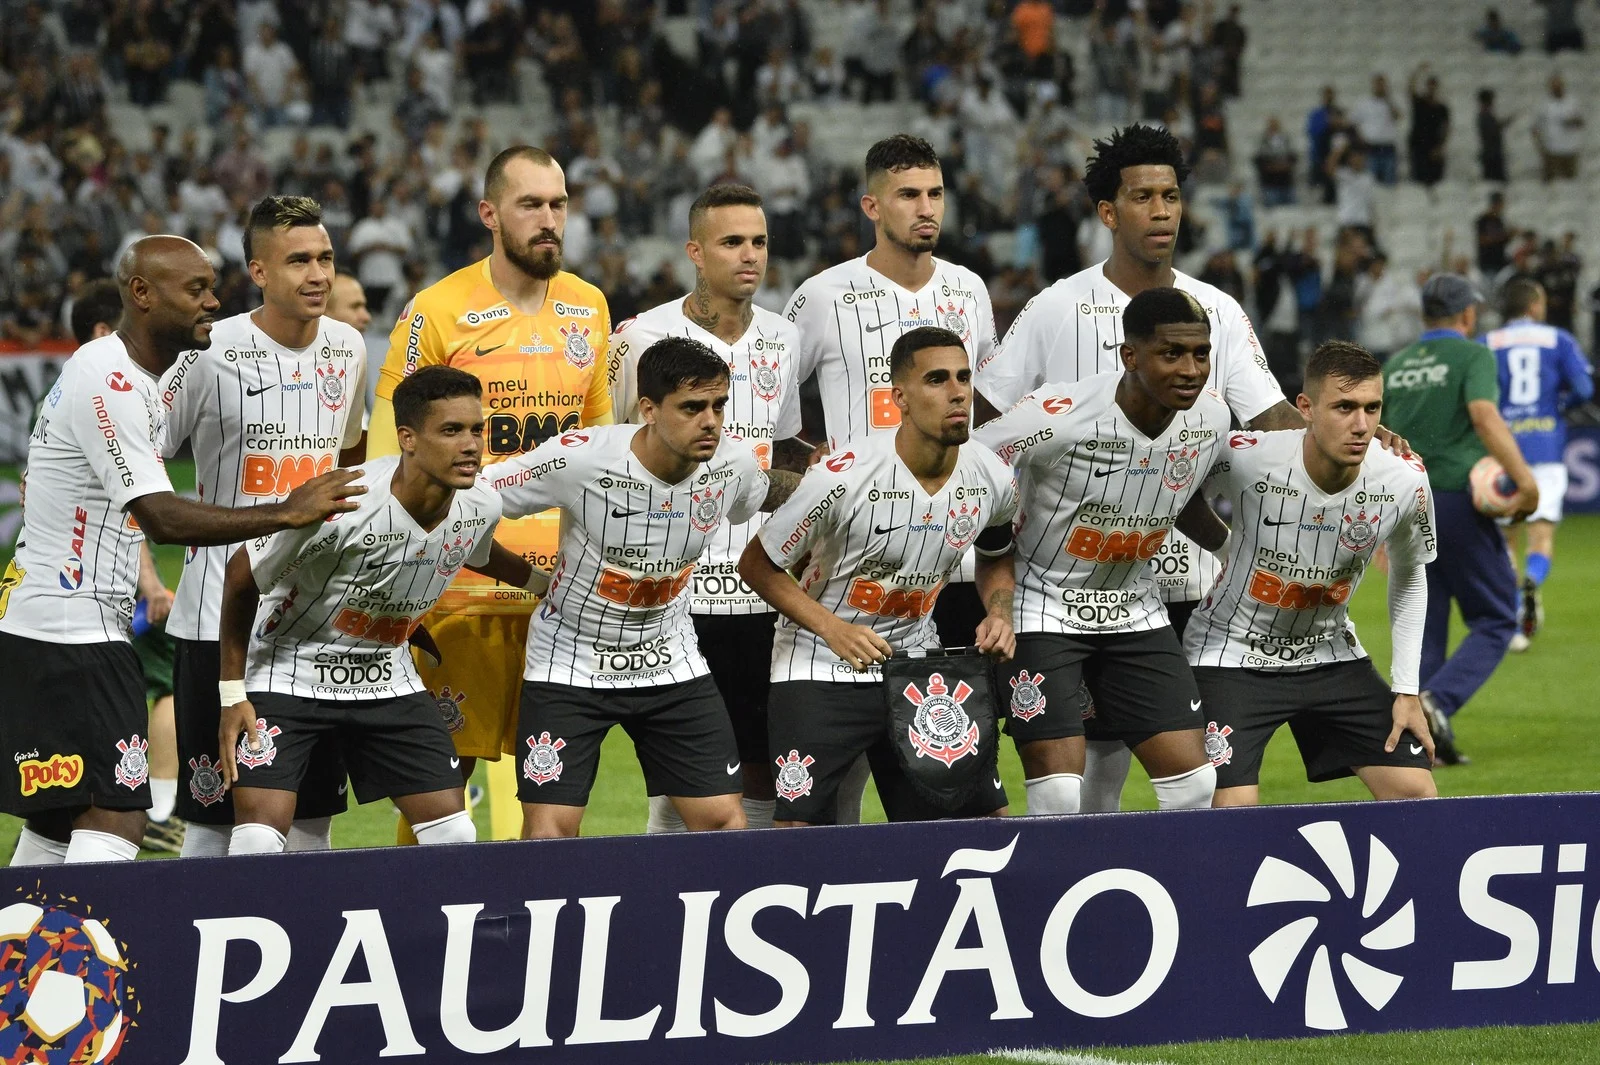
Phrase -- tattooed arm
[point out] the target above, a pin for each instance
(780, 486)
(791, 453)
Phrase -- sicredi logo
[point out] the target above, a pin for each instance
(1281, 883)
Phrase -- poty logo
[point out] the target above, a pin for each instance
(1278, 882)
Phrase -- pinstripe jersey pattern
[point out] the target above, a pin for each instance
(340, 598)
(1097, 499)
(262, 419)
(1297, 554)
(880, 547)
(93, 450)
(617, 613)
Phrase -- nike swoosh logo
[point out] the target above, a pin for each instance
(734, 768)
(254, 392)
(341, 788)
(881, 531)
(481, 351)
(1112, 345)
(997, 783)
(619, 513)
(875, 328)
(1416, 748)
(377, 564)
(1107, 473)
(1286, 521)
(455, 763)
(1194, 705)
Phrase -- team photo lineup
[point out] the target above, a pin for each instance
(863, 537)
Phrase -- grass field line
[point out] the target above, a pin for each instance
(1056, 1057)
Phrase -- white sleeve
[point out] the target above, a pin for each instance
(801, 313)
(624, 371)
(274, 558)
(355, 391)
(1005, 509)
(815, 507)
(480, 550)
(540, 479)
(185, 392)
(1017, 364)
(787, 421)
(751, 490)
(984, 341)
(1247, 385)
(1027, 434)
(1408, 608)
(1228, 471)
(111, 423)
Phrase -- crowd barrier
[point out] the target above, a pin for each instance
(823, 945)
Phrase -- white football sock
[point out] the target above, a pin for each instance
(1105, 770)
(663, 817)
(1059, 793)
(1186, 791)
(758, 813)
(255, 838)
(310, 834)
(163, 797)
(205, 841)
(34, 849)
(847, 799)
(452, 828)
(90, 846)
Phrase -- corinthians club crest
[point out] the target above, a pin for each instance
(705, 509)
(1027, 698)
(133, 769)
(764, 377)
(1360, 532)
(205, 781)
(794, 776)
(449, 704)
(453, 555)
(543, 763)
(577, 349)
(1180, 468)
(330, 387)
(1218, 749)
(954, 318)
(962, 526)
(249, 759)
(941, 728)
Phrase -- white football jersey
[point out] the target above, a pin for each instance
(341, 597)
(1097, 500)
(849, 316)
(617, 614)
(880, 547)
(262, 420)
(94, 450)
(763, 407)
(1297, 555)
(1073, 330)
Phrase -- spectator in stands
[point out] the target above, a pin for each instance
(922, 48)
(1558, 132)
(1319, 134)
(79, 95)
(1558, 273)
(778, 81)
(1390, 307)
(489, 55)
(1222, 270)
(785, 186)
(142, 33)
(1238, 217)
(1115, 73)
(1338, 310)
(241, 170)
(1561, 29)
(1305, 267)
(1491, 138)
(1277, 311)
(1275, 159)
(1157, 74)
(1064, 209)
(825, 75)
(224, 84)
(1356, 195)
(1495, 37)
(369, 26)
(1230, 38)
(709, 152)
(1492, 235)
(416, 109)
(1376, 120)
(379, 244)
(1210, 134)
(268, 66)
(1430, 129)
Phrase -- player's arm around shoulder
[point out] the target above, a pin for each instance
(1035, 431)
(539, 479)
(496, 561)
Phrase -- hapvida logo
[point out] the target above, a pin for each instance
(1277, 882)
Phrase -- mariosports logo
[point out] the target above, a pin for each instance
(1385, 927)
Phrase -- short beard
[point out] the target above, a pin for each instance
(954, 435)
(540, 266)
(915, 245)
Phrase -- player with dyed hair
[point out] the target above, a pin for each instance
(276, 399)
(1273, 643)
(1106, 468)
(728, 247)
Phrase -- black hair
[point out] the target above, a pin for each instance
(98, 301)
(279, 212)
(1519, 294)
(1161, 306)
(1135, 145)
(1341, 359)
(721, 196)
(903, 151)
(672, 363)
(494, 179)
(904, 353)
(413, 396)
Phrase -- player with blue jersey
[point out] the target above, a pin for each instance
(1543, 371)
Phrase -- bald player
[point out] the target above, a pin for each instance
(535, 336)
(347, 303)
(76, 709)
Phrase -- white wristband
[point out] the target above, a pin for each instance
(538, 582)
(231, 692)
